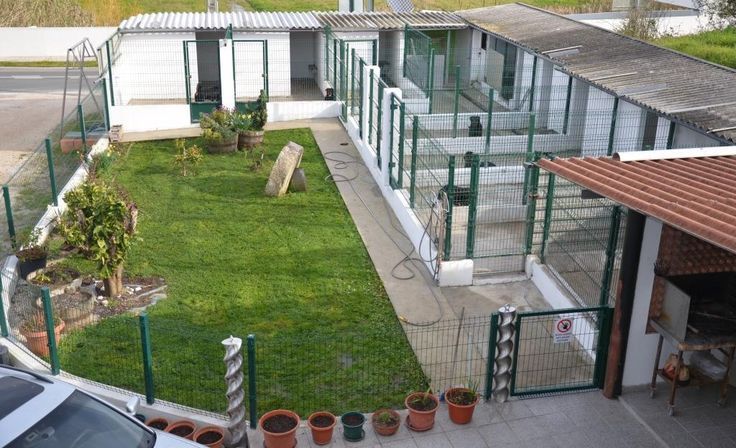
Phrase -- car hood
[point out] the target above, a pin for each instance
(166, 440)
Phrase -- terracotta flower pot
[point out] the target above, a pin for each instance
(182, 428)
(250, 139)
(383, 427)
(157, 423)
(38, 341)
(322, 425)
(421, 418)
(461, 412)
(211, 436)
(279, 428)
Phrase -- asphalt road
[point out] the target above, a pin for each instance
(30, 106)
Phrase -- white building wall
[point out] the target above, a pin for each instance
(47, 43)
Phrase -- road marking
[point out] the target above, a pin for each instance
(34, 77)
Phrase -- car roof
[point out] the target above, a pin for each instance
(38, 404)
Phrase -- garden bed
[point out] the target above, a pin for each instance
(293, 271)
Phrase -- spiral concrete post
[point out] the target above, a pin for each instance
(235, 395)
(505, 344)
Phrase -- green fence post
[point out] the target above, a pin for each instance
(82, 130)
(549, 203)
(3, 320)
(531, 210)
(529, 156)
(343, 81)
(251, 344)
(515, 356)
(334, 66)
(611, 245)
(52, 175)
(9, 215)
(413, 167)
(534, 82)
(352, 80)
(612, 131)
(104, 101)
(379, 125)
(450, 205)
(489, 120)
(671, 135)
(431, 78)
(109, 71)
(601, 352)
(490, 359)
(48, 314)
(566, 119)
(456, 104)
(361, 64)
(147, 357)
(370, 106)
(402, 133)
(391, 163)
(472, 206)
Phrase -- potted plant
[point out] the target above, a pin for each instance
(182, 428)
(386, 422)
(211, 436)
(157, 423)
(34, 330)
(32, 255)
(321, 425)
(422, 407)
(217, 131)
(101, 222)
(352, 424)
(279, 428)
(461, 403)
(258, 119)
(241, 125)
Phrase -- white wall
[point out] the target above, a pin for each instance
(642, 347)
(249, 69)
(151, 118)
(47, 43)
(279, 63)
(672, 23)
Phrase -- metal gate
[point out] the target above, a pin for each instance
(250, 71)
(560, 350)
(202, 76)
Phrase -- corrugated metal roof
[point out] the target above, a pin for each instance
(696, 195)
(360, 21)
(693, 91)
(242, 20)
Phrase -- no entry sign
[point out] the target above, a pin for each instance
(563, 330)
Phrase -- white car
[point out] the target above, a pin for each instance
(41, 412)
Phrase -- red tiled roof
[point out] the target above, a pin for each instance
(696, 195)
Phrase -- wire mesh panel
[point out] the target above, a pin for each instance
(29, 189)
(419, 59)
(336, 372)
(453, 352)
(398, 144)
(26, 320)
(203, 84)
(556, 351)
(585, 243)
(250, 65)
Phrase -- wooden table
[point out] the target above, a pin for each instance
(692, 342)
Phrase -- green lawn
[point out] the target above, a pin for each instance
(717, 46)
(291, 270)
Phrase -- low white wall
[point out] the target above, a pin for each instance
(677, 23)
(47, 43)
(151, 118)
(299, 110)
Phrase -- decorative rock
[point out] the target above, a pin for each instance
(288, 160)
(298, 180)
(105, 302)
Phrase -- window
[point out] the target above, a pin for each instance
(15, 392)
(650, 131)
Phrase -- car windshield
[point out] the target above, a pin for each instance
(82, 422)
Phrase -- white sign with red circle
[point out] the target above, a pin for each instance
(563, 330)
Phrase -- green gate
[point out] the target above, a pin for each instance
(202, 76)
(250, 71)
(560, 350)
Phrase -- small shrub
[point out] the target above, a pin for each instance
(241, 122)
(30, 246)
(187, 158)
(259, 116)
(217, 127)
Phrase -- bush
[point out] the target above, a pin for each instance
(218, 127)
(259, 116)
(187, 158)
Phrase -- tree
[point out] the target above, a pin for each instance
(101, 223)
(720, 13)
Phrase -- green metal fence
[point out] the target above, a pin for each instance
(560, 350)
(418, 62)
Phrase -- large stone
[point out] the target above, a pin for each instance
(299, 180)
(287, 161)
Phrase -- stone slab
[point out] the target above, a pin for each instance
(288, 160)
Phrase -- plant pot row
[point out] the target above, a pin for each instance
(243, 141)
(211, 436)
(279, 426)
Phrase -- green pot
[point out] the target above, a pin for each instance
(352, 423)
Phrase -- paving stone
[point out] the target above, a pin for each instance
(466, 438)
(498, 434)
(433, 441)
(513, 410)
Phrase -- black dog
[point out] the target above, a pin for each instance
(462, 195)
(468, 161)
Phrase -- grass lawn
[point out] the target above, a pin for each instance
(717, 46)
(291, 270)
